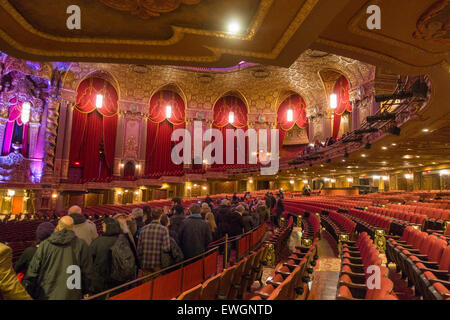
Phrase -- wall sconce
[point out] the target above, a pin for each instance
(168, 112)
(305, 181)
(333, 101)
(54, 195)
(99, 101)
(291, 181)
(25, 115)
(204, 187)
(136, 193)
(231, 117)
(290, 115)
(250, 181)
(408, 176)
(119, 192)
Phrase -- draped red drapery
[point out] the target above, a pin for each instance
(222, 110)
(159, 132)
(15, 113)
(91, 126)
(298, 106)
(341, 90)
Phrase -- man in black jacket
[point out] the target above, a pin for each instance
(194, 234)
(61, 268)
(279, 209)
(175, 221)
(100, 250)
(235, 223)
(221, 214)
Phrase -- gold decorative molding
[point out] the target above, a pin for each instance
(434, 31)
(147, 8)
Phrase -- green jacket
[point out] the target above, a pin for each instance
(10, 287)
(48, 277)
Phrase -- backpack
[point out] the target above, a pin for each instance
(123, 264)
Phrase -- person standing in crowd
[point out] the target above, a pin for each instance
(125, 222)
(195, 234)
(43, 231)
(176, 207)
(255, 216)
(208, 200)
(138, 216)
(100, 250)
(208, 216)
(175, 255)
(235, 223)
(147, 214)
(10, 287)
(48, 274)
(247, 220)
(154, 239)
(263, 211)
(222, 213)
(84, 229)
(176, 220)
(279, 209)
(235, 198)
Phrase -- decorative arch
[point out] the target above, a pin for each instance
(171, 86)
(160, 129)
(234, 93)
(94, 129)
(102, 74)
(296, 103)
(342, 91)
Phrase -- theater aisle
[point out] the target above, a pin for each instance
(326, 273)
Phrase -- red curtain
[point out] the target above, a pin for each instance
(91, 126)
(15, 113)
(222, 109)
(298, 106)
(159, 132)
(341, 89)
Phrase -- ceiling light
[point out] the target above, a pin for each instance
(204, 188)
(385, 178)
(99, 101)
(384, 148)
(234, 27)
(137, 192)
(333, 101)
(363, 155)
(54, 195)
(250, 181)
(394, 144)
(375, 177)
(11, 193)
(407, 156)
(425, 130)
(290, 115)
(291, 181)
(333, 180)
(168, 112)
(408, 176)
(119, 192)
(343, 160)
(349, 179)
(443, 172)
(305, 181)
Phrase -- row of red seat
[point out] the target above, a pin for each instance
(356, 259)
(425, 260)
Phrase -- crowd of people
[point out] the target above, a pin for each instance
(71, 260)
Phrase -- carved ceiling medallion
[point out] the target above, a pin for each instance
(147, 8)
(434, 24)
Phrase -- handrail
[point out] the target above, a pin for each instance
(173, 267)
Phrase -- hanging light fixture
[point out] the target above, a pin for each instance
(168, 112)
(290, 115)
(25, 115)
(231, 117)
(99, 101)
(333, 101)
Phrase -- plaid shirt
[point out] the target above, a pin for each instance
(153, 238)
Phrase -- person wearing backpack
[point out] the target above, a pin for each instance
(105, 252)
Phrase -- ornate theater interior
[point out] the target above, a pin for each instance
(88, 117)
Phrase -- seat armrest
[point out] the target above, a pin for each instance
(445, 283)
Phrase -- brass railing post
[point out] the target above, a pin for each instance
(299, 221)
(342, 237)
(270, 257)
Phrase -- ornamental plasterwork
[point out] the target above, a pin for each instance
(261, 94)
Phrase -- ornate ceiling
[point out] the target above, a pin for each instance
(194, 32)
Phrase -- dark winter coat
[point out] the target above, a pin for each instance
(234, 224)
(176, 221)
(247, 220)
(194, 236)
(22, 264)
(172, 257)
(279, 209)
(47, 275)
(221, 214)
(100, 250)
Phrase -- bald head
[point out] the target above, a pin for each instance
(65, 222)
(74, 209)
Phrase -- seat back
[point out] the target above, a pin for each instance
(210, 288)
(191, 294)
